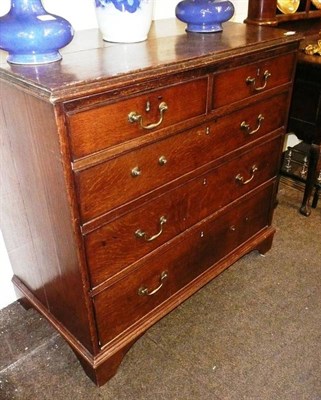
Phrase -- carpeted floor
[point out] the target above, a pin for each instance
(253, 333)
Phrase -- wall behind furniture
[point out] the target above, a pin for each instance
(81, 14)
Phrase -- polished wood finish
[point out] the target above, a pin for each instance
(55, 267)
(119, 307)
(262, 12)
(183, 207)
(181, 152)
(100, 127)
(279, 67)
(208, 166)
(265, 12)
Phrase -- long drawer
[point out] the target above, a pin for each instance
(167, 271)
(242, 82)
(122, 179)
(156, 222)
(98, 128)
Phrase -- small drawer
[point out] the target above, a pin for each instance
(101, 127)
(149, 226)
(249, 80)
(122, 179)
(232, 131)
(164, 273)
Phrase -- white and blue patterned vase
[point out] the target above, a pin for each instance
(31, 35)
(124, 21)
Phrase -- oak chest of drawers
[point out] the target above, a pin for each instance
(145, 170)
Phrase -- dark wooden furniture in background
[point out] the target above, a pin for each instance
(304, 118)
(145, 171)
(265, 12)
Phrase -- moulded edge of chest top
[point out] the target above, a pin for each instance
(163, 74)
(28, 79)
(129, 88)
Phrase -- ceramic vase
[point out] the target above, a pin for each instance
(124, 21)
(31, 35)
(204, 16)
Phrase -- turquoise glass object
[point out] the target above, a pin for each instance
(31, 35)
(204, 16)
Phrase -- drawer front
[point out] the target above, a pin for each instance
(163, 274)
(239, 83)
(161, 219)
(101, 127)
(108, 185)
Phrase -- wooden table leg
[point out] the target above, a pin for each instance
(311, 177)
(316, 197)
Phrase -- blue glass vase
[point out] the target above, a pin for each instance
(31, 35)
(204, 16)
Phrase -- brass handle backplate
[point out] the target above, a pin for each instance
(240, 178)
(245, 126)
(144, 291)
(140, 234)
(252, 81)
(133, 116)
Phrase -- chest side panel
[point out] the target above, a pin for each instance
(50, 266)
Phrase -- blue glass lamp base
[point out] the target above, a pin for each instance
(204, 16)
(203, 28)
(34, 58)
(30, 35)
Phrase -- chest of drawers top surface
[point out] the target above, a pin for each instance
(90, 65)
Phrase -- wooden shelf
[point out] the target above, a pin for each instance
(298, 16)
(265, 12)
